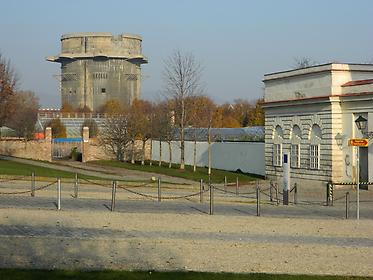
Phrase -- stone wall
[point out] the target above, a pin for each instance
(94, 150)
(34, 149)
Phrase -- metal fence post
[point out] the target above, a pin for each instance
(295, 193)
(225, 183)
(76, 186)
(113, 193)
(257, 199)
(347, 204)
(159, 189)
(277, 200)
(211, 188)
(33, 184)
(237, 186)
(58, 194)
(201, 191)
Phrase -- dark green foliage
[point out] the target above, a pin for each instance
(75, 155)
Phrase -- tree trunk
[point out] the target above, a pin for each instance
(143, 152)
(151, 151)
(133, 152)
(170, 155)
(209, 149)
(195, 155)
(182, 148)
(160, 152)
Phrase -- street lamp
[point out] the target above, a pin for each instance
(361, 123)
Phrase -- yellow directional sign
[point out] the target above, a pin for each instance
(358, 142)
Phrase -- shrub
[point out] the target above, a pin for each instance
(58, 128)
(93, 128)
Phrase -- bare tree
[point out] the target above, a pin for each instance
(303, 62)
(25, 114)
(115, 137)
(182, 75)
(8, 84)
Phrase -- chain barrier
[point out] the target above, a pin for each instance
(95, 183)
(14, 179)
(140, 186)
(243, 195)
(163, 197)
(29, 191)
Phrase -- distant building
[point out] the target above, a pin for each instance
(98, 67)
(310, 114)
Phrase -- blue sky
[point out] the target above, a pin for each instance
(236, 41)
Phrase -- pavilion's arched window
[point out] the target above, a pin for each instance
(296, 137)
(315, 141)
(278, 137)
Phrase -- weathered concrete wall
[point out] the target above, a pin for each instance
(246, 156)
(35, 149)
(97, 67)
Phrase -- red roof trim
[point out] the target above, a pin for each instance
(358, 83)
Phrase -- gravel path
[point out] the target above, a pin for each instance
(82, 239)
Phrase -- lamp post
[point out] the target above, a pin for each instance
(361, 124)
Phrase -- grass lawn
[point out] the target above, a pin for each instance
(15, 168)
(217, 175)
(13, 274)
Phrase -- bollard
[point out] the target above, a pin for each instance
(113, 194)
(33, 184)
(257, 200)
(270, 191)
(159, 189)
(295, 193)
(329, 194)
(211, 188)
(225, 183)
(58, 194)
(237, 187)
(347, 204)
(201, 191)
(76, 186)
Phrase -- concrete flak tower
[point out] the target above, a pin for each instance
(99, 67)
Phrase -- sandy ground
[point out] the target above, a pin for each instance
(100, 239)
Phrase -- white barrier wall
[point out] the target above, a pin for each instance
(246, 156)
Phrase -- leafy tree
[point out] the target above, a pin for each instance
(93, 128)
(8, 84)
(163, 125)
(58, 128)
(112, 107)
(25, 113)
(140, 125)
(67, 108)
(256, 115)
